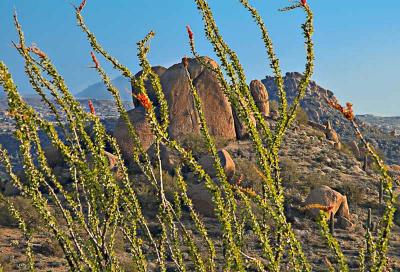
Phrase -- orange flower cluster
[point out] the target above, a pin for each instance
(347, 112)
(91, 107)
(190, 33)
(319, 207)
(81, 6)
(144, 101)
(34, 49)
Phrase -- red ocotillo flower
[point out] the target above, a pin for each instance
(81, 6)
(91, 107)
(347, 112)
(190, 33)
(144, 101)
(304, 2)
(34, 49)
(95, 61)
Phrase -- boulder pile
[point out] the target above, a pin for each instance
(222, 121)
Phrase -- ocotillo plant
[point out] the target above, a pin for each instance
(101, 204)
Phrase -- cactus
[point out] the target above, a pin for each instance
(365, 163)
(380, 191)
(332, 224)
(369, 219)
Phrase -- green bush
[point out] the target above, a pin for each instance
(198, 144)
(302, 117)
(273, 105)
(290, 173)
(28, 212)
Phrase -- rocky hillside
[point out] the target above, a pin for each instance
(308, 161)
(313, 103)
(318, 111)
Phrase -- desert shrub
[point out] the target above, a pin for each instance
(290, 173)
(246, 171)
(198, 145)
(301, 116)
(102, 204)
(170, 184)
(273, 105)
(28, 212)
(346, 149)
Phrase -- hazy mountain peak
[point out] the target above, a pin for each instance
(99, 91)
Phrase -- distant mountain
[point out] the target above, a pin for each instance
(387, 124)
(99, 91)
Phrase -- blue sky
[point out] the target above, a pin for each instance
(357, 42)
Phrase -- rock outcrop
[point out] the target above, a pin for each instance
(260, 95)
(331, 135)
(183, 115)
(184, 119)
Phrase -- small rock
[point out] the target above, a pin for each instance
(226, 160)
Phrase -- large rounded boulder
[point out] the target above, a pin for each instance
(328, 197)
(184, 118)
